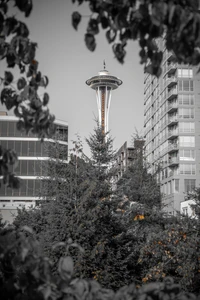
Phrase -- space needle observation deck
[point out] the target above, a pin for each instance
(103, 84)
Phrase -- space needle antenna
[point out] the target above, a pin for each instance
(104, 64)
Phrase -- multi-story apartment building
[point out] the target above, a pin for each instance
(31, 154)
(172, 128)
(126, 155)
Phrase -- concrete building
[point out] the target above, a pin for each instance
(171, 128)
(186, 208)
(31, 153)
(126, 155)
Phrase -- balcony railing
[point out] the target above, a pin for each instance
(172, 134)
(173, 161)
(173, 147)
(172, 94)
(172, 121)
(172, 107)
(171, 68)
(171, 81)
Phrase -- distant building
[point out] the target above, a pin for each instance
(171, 128)
(126, 155)
(186, 208)
(31, 153)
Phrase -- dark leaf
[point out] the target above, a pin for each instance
(4, 7)
(1, 21)
(76, 18)
(90, 41)
(10, 25)
(10, 58)
(45, 99)
(93, 27)
(44, 81)
(21, 83)
(25, 6)
(111, 35)
(22, 30)
(104, 22)
(13, 182)
(8, 78)
(20, 125)
(119, 52)
(32, 68)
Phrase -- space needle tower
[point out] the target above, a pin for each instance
(103, 84)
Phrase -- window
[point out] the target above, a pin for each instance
(176, 185)
(187, 154)
(3, 128)
(24, 148)
(24, 167)
(185, 85)
(185, 73)
(187, 169)
(186, 113)
(187, 141)
(186, 99)
(189, 185)
(186, 127)
(185, 211)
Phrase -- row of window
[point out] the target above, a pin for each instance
(186, 99)
(172, 186)
(186, 113)
(36, 148)
(29, 187)
(9, 128)
(185, 73)
(185, 86)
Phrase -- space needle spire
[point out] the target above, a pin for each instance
(103, 84)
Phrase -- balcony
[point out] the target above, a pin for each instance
(171, 68)
(172, 94)
(172, 107)
(173, 147)
(172, 134)
(172, 121)
(171, 81)
(173, 161)
(170, 56)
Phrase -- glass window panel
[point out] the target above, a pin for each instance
(24, 148)
(38, 148)
(40, 167)
(191, 85)
(31, 167)
(189, 185)
(18, 147)
(10, 144)
(24, 167)
(186, 85)
(11, 129)
(4, 128)
(23, 188)
(176, 185)
(30, 187)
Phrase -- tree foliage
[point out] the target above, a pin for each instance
(177, 21)
(26, 274)
(21, 95)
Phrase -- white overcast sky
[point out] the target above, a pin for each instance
(64, 58)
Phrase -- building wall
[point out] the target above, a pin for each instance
(30, 168)
(171, 128)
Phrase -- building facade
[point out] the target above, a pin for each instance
(172, 128)
(126, 156)
(31, 154)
